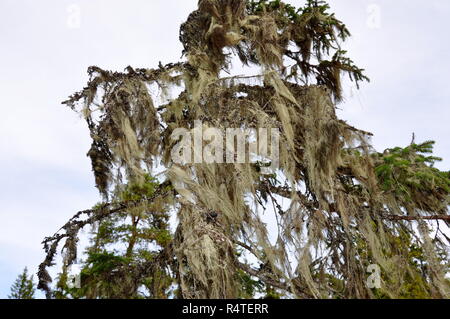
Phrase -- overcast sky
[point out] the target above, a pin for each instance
(47, 45)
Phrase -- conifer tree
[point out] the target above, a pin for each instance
(350, 207)
(24, 287)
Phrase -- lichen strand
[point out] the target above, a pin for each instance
(344, 196)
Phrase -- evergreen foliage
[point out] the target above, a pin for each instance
(24, 287)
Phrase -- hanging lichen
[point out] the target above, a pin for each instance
(350, 206)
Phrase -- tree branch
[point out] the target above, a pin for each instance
(287, 193)
(72, 228)
(263, 277)
(414, 218)
(274, 283)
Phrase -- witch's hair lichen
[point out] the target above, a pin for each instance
(349, 206)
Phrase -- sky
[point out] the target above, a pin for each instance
(46, 47)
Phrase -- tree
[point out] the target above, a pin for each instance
(24, 287)
(350, 207)
(120, 261)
